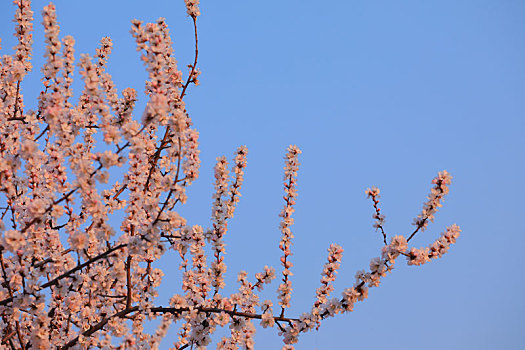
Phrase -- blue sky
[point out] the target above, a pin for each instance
(375, 93)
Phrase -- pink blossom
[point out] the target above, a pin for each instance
(192, 7)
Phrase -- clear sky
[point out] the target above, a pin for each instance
(383, 93)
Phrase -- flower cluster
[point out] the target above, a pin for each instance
(238, 170)
(78, 256)
(329, 274)
(24, 27)
(225, 199)
(192, 8)
(290, 174)
(420, 256)
(435, 198)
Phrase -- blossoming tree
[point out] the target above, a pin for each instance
(70, 279)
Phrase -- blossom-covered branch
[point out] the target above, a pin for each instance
(80, 243)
